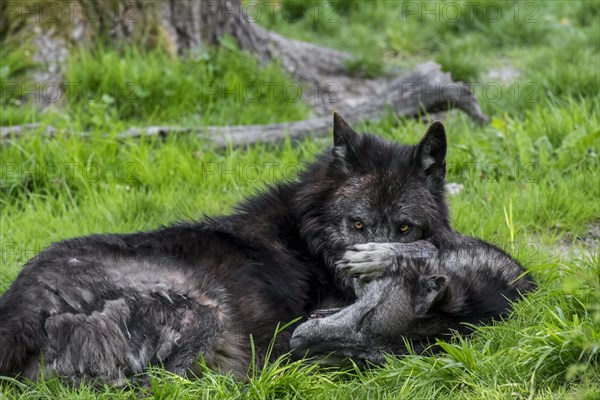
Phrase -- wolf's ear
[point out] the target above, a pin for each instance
(434, 293)
(345, 141)
(431, 151)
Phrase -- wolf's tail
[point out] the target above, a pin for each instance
(21, 336)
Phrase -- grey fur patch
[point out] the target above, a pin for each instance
(420, 299)
(92, 345)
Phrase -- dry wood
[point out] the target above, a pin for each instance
(425, 89)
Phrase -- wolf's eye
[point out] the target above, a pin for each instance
(404, 228)
(358, 225)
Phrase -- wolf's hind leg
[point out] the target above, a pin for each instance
(91, 346)
(193, 333)
(127, 336)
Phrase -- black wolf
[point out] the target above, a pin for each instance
(404, 300)
(107, 306)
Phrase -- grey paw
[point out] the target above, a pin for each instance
(368, 261)
(418, 249)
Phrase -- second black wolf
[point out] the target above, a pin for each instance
(107, 306)
(412, 301)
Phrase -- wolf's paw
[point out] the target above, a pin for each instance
(368, 261)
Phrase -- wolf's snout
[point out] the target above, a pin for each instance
(298, 346)
(296, 342)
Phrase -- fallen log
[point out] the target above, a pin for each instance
(423, 90)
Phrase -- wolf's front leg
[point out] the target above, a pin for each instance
(368, 261)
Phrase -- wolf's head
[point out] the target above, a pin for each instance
(367, 189)
(397, 305)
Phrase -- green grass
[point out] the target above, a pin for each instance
(143, 88)
(537, 163)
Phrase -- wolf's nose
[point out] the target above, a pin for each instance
(298, 348)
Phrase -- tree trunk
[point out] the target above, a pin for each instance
(183, 25)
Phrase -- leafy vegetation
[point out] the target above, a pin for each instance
(531, 180)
